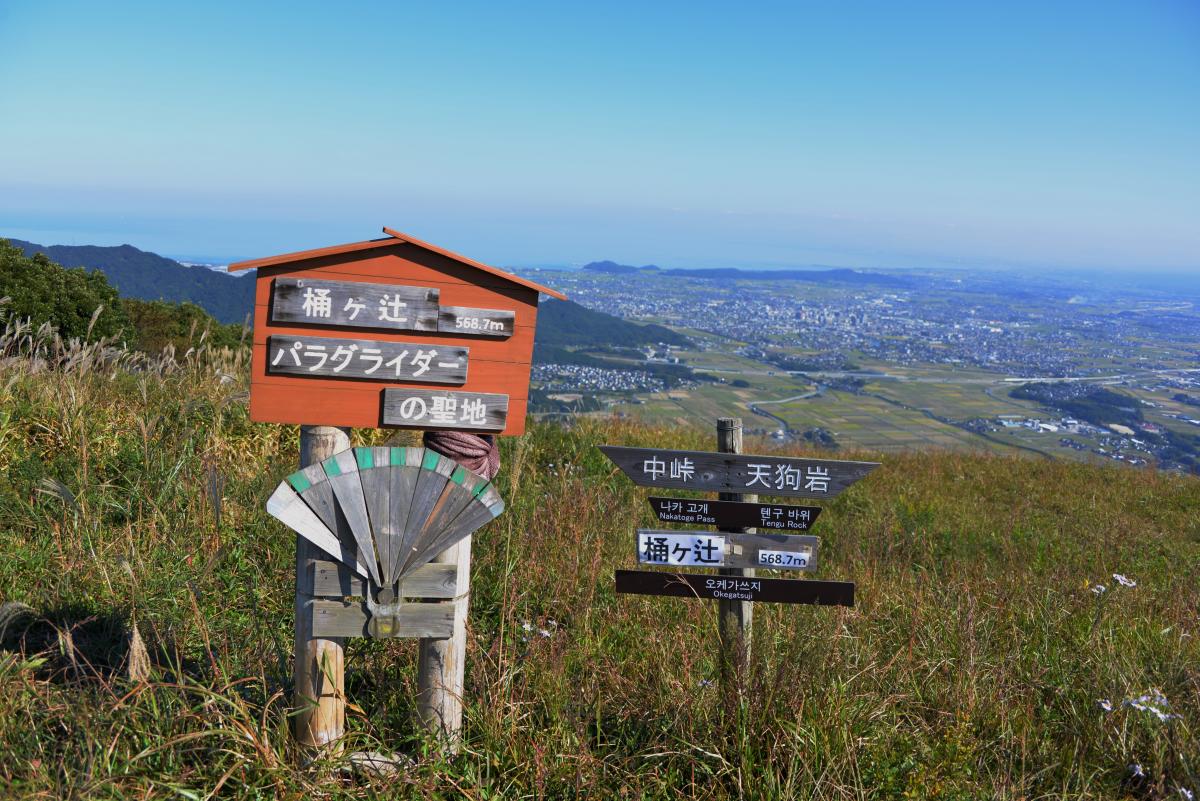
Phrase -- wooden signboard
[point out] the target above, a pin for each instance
(429, 409)
(726, 549)
(371, 334)
(727, 472)
(726, 588)
(732, 514)
(339, 357)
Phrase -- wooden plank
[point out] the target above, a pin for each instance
(377, 360)
(375, 475)
(459, 411)
(406, 468)
(331, 580)
(487, 506)
(342, 470)
(727, 549)
(466, 487)
(349, 619)
(732, 514)
(354, 304)
(735, 473)
(273, 403)
(431, 481)
(315, 490)
(471, 322)
(724, 588)
(289, 508)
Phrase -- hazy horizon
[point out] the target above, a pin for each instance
(924, 135)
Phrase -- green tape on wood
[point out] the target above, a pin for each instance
(299, 482)
(365, 458)
(331, 467)
(459, 475)
(396, 457)
(481, 489)
(431, 460)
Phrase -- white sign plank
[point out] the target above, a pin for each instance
(688, 548)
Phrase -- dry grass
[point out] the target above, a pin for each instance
(971, 668)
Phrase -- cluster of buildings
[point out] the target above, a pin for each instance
(914, 326)
(579, 378)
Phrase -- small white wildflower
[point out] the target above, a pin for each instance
(1186, 794)
(1135, 770)
(527, 626)
(1105, 704)
(544, 632)
(705, 682)
(1153, 702)
(1099, 589)
(1124, 581)
(552, 623)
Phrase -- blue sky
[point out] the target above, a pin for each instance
(683, 134)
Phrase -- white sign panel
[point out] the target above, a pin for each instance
(663, 548)
(793, 559)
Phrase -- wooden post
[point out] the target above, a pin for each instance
(320, 699)
(441, 662)
(734, 618)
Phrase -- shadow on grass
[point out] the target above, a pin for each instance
(80, 644)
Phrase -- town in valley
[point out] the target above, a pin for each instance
(1101, 368)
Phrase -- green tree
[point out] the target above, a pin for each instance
(46, 292)
(157, 323)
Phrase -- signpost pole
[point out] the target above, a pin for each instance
(734, 617)
(441, 662)
(320, 699)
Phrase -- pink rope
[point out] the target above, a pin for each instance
(478, 453)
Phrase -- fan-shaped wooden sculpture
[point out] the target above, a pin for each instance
(384, 512)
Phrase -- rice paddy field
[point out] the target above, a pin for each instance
(1023, 628)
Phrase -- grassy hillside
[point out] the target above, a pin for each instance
(972, 667)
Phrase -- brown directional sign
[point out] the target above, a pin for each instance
(461, 411)
(338, 357)
(731, 514)
(349, 304)
(727, 472)
(372, 300)
(727, 549)
(736, 588)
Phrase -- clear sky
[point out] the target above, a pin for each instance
(683, 134)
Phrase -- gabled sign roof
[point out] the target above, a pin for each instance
(392, 239)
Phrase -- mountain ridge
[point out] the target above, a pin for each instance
(844, 275)
(144, 275)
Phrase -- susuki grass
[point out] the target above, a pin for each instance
(973, 666)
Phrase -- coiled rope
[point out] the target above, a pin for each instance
(479, 453)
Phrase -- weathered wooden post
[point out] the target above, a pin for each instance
(441, 662)
(735, 618)
(318, 670)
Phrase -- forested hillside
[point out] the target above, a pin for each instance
(79, 303)
(565, 323)
(148, 276)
